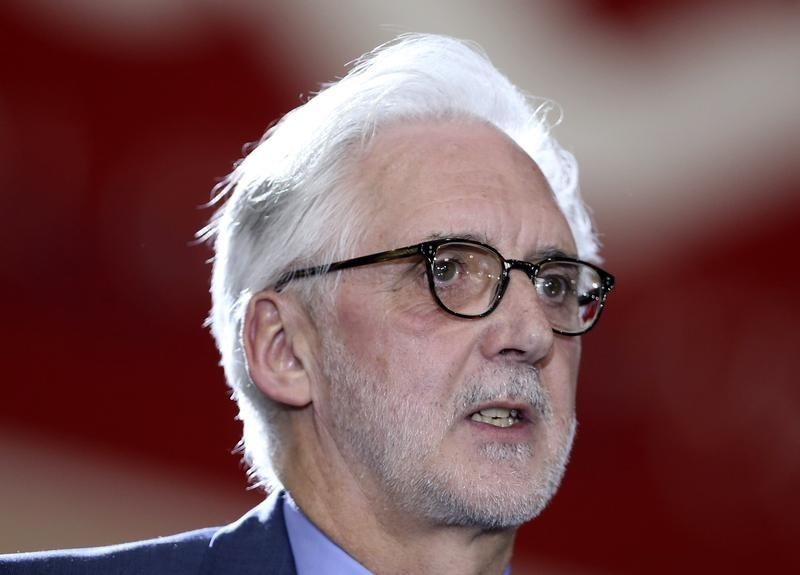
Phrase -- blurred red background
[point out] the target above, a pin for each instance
(116, 120)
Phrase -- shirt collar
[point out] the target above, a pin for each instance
(313, 552)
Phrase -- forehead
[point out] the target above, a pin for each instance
(427, 179)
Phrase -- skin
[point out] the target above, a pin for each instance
(421, 180)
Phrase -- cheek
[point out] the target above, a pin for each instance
(413, 309)
(375, 330)
(562, 374)
(395, 317)
(408, 342)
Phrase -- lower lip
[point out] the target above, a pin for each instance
(519, 432)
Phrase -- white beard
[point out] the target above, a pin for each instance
(397, 438)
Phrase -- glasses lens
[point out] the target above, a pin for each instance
(466, 277)
(571, 294)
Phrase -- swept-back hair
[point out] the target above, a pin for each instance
(284, 204)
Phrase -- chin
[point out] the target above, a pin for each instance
(495, 508)
(491, 502)
(510, 487)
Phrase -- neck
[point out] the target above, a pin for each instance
(359, 518)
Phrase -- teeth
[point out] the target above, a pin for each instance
(498, 412)
(498, 417)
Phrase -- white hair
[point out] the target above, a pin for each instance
(285, 205)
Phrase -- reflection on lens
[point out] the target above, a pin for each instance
(466, 277)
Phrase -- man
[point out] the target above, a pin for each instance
(397, 298)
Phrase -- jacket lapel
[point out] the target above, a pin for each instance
(256, 544)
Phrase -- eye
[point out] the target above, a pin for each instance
(553, 288)
(445, 271)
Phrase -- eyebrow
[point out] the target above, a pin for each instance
(552, 252)
(547, 251)
(462, 236)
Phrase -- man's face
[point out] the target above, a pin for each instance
(406, 378)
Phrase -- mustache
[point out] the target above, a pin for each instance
(518, 384)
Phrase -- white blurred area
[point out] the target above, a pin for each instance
(678, 130)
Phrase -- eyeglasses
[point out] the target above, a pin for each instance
(468, 279)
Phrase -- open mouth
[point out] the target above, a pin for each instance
(497, 416)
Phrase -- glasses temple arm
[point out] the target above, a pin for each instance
(351, 263)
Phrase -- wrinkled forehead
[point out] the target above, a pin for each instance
(423, 179)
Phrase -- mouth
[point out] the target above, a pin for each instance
(499, 416)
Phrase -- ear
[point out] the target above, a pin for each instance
(275, 348)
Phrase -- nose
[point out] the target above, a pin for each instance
(518, 330)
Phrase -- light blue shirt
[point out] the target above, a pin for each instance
(313, 552)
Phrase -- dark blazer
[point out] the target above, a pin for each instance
(257, 544)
